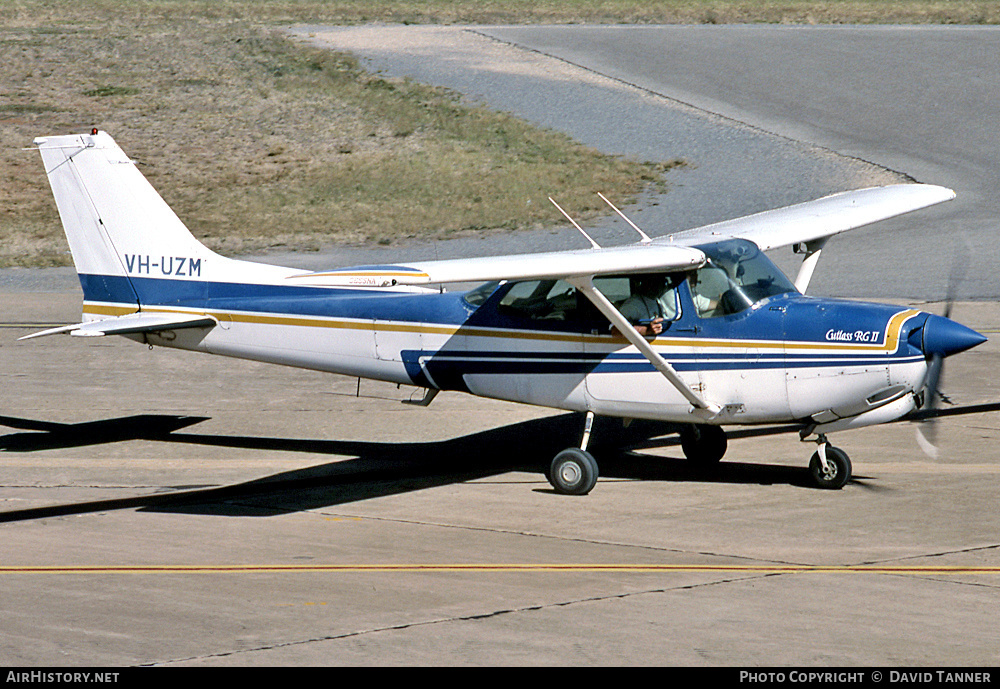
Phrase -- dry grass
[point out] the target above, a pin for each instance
(259, 142)
(532, 11)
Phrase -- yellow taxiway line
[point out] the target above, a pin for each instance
(495, 567)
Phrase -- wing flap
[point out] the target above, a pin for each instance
(142, 322)
(634, 258)
(813, 220)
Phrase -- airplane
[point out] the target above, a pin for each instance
(732, 341)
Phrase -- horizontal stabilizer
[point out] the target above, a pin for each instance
(131, 324)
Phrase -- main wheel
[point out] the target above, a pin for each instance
(704, 444)
(838, 471)
(573, 472)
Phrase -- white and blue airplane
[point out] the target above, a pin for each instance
(698, 328)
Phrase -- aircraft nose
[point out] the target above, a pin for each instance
(945, 337)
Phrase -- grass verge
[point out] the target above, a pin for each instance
(259, 142)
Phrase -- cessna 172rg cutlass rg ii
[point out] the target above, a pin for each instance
(699, 328)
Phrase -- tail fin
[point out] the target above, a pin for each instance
(116, 224)
(124, 238)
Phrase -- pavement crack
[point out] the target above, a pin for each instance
(492, 614)
(568, 539)
(943, 553)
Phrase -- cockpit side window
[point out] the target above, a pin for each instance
(640, 298)
(650, 296)
(736, 276)
(708, 284)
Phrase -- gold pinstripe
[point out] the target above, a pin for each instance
(889, 343)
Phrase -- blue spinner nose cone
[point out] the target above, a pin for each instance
(946, 337)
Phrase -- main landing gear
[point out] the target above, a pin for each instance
(704, 445)
(574, 470)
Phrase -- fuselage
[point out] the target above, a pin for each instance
(787, 357)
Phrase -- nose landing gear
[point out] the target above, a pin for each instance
(830, 466)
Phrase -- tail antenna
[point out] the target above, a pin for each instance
(645, 237)
(589, 238)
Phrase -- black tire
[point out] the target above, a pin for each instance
(839, 472)
(573, 472)
(704, 444)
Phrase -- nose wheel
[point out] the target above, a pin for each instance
(830, 467)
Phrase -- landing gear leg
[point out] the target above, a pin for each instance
(574, 470)
(830, 466)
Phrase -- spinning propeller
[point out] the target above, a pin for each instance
(927, 424)
(941, 337)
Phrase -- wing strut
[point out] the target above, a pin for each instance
(585, 284)
(812, 250)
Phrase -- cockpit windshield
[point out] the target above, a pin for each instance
(736, 276)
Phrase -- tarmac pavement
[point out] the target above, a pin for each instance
(168, 508)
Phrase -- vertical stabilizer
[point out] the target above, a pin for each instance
(125, 239)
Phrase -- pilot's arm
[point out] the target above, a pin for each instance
(640, 312)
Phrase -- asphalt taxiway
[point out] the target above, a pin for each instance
(169, 508)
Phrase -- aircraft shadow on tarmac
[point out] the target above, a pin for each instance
(380, 469)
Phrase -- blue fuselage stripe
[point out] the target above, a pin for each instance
(757, 335)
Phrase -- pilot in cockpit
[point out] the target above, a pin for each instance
(653, 301)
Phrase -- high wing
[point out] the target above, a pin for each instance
(819, 219)
(634, 258)
(809, 224)
(131, 324)
(579, 267)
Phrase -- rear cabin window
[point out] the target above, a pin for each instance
(559, 301)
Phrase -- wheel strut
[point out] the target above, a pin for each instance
(588, 426)
(829, 466)
(574, 470)
(822, 442)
